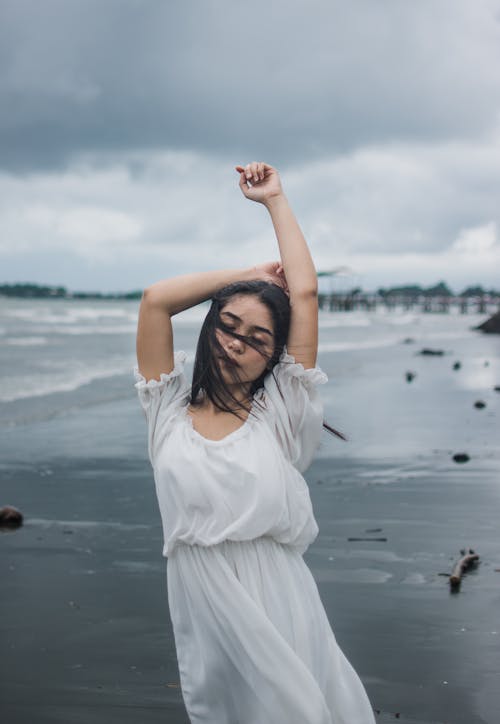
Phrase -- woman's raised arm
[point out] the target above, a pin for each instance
(260, 182)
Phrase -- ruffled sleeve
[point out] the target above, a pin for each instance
(161, 400)
(294, 409)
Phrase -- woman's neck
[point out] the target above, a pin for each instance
(237, 400)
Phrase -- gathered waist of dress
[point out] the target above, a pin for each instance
(229, 546)
(296, 529)
(253, 562)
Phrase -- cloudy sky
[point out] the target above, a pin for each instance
(121, 123)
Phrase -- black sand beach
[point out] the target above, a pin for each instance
(84, 616)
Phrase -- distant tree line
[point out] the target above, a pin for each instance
(410, 291)
(39, 291)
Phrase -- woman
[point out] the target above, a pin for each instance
(253, 642)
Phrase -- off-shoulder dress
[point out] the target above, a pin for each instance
(254, 644)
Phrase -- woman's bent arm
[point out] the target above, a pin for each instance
(160, 301)
(165, 298)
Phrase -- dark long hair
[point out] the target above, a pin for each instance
(207, 376)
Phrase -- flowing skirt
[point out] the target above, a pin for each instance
(253, 641)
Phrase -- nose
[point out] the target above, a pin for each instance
(235, 345)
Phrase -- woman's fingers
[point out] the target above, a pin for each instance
(258, 180)
(247, 175)
(251, 172)
(255, 171)
(243, 181)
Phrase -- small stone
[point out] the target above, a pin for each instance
(432, 352)
(457, 365)
(479, 405)
(10, 517)
(461, 458)
(492, 325)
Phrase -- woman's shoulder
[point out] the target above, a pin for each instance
(142, 383)
(289, 375)
(169, 392)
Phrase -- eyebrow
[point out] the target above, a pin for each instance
(256, 328)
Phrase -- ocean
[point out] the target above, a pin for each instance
(62, 358)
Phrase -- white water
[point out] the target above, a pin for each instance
(58, 346)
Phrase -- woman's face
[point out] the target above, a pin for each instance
(246, 315)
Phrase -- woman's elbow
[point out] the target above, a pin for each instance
(153, 296)
(306, 292)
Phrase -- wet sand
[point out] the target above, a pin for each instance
(85, 625)
(84, 613)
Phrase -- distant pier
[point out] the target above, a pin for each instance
(340, 290)
(354, 301)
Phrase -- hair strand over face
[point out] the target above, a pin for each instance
(207, 375)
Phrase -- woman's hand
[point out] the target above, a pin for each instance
(271, 271)
(259, 182)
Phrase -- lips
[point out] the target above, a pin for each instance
(229, 361)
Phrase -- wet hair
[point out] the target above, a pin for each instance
(207, 376)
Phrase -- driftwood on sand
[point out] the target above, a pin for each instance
(467, 561)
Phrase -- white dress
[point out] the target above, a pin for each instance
(254, 644)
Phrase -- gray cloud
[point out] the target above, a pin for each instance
(401, 213)
(279, 80)
(121, 122)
